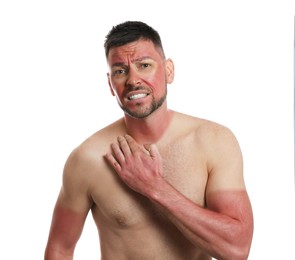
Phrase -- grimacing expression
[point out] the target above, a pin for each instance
(138, 77)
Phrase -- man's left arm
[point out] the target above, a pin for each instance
(224, 228)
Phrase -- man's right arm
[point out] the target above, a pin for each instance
(70, 212)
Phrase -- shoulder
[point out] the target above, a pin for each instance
(221, 151)
(95, 145)
(215, 140)
(218, 140)
(215, 134)
(87, 158)
(208, 131)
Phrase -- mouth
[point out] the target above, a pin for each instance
(137, 93)
(137, 96)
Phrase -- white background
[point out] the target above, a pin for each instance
(234, 65)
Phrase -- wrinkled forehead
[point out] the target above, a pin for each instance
(134, 51)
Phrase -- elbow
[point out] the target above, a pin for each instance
(56, 253)
(233, 252)
(240, 250)
(240, 253)
(241, 242)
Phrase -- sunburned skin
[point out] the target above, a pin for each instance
(63, 232)
(160, 184)
(233, 217)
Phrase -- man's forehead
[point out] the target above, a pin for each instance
(134, 51)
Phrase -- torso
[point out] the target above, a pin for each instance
(130, 226)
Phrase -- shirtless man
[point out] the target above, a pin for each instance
(160, 184)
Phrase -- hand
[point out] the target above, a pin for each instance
(139, 166)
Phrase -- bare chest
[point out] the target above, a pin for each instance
(184, 167)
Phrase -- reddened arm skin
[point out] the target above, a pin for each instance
(70, 212)
(225, 232)
(66, 228)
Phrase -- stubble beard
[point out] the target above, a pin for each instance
(143, 112)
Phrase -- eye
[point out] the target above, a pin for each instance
(119, 72)
(145, 65)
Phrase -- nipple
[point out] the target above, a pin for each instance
(120, 219)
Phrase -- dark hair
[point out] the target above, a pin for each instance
(131, 31)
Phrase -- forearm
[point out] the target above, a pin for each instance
(222, 236)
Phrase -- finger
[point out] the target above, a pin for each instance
(117, 153)
(112, 161)
(147, 149)
(132, 143)
(154, 152)
(124, 145)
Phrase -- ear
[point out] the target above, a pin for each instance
(110, 84)
(169, 71)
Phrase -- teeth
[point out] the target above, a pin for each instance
(137, 96)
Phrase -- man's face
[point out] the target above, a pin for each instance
(138, 77)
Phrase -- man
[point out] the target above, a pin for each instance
(160, 184)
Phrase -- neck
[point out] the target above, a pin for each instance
(150, 129)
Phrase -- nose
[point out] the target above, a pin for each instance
(133, 78)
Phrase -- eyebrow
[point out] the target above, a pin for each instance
(142, 58)
(122, 64)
